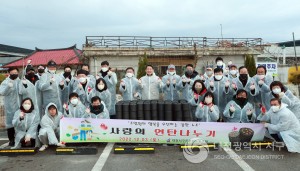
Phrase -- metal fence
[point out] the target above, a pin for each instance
(168, 42)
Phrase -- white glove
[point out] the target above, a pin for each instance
(252, 87)
(10, 84)
(211, 84)
(109, 73)
(188, 80)
(266, 125)
(87, 110)
(122, 83)
(79, 86)
(232, 109)
(65, 106)
(211, 108)
(24, 81)
(281, 94)
(168, 82)
(29, 61)
(68, 80)
(202, 77)
(61, 83)
(174, 81)
(249, 112)
(260, 82)
(201, 105)
(227, 83)
(140, 81)
(184, 80)
(97, 77)
(233, 85)
(196, 96)
(22, 114)
(159, 80)
(27, 138)
(52, 79)
(136, 95)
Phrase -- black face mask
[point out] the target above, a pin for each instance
(67, 74)
(241, 99)
(41, 70)
(189, 72)
(30, 75)
(13, 76)
(243, 76)
(97, 109)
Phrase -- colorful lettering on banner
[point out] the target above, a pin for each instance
(172, 132)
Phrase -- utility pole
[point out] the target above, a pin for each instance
(296, 59)
(221, 31)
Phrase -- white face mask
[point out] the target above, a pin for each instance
(233, 72)
(218, 77)
(275, 108)
(276, 90)
(52, 71)
(129, 75)
(219, 63)
(104, 69)
(261, 77)
(208, 100)
(100, 86)
(82, 80)
(209, 73)
(26, 106)
(171, 73)
(74, 101)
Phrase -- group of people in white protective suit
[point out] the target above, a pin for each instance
(35, 103)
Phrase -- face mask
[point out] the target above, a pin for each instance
(52, 71)
(260, 77)
(209, 73)
(74, 101)
(219, 63)
(276, 90)
(67, 74)
(275, 108)
(97, 109)
(129, 75)
(189, 72)
(233, 72)
(41, 70)
(208, 100)
(104, 69)
(241, 99)
(243, 76)
(171, 73)
(26, 106)
(198, 88)
(32, 74)
(13, 76)
(218, 77)
(100, 86)
(82, 80)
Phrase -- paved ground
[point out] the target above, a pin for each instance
(164, 158)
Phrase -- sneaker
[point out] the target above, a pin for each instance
(60, 145)
(16, 147)
(43, 148)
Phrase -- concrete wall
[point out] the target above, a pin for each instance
(202, 61)
(120, 63)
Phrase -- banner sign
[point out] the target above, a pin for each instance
(271, 67)
(73, 130)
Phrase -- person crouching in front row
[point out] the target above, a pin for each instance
(49, 132)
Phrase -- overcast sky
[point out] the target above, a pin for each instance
(63, 23)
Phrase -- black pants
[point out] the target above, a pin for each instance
(113, 116)
(276, 137)
(31, 143)
(11, 136)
